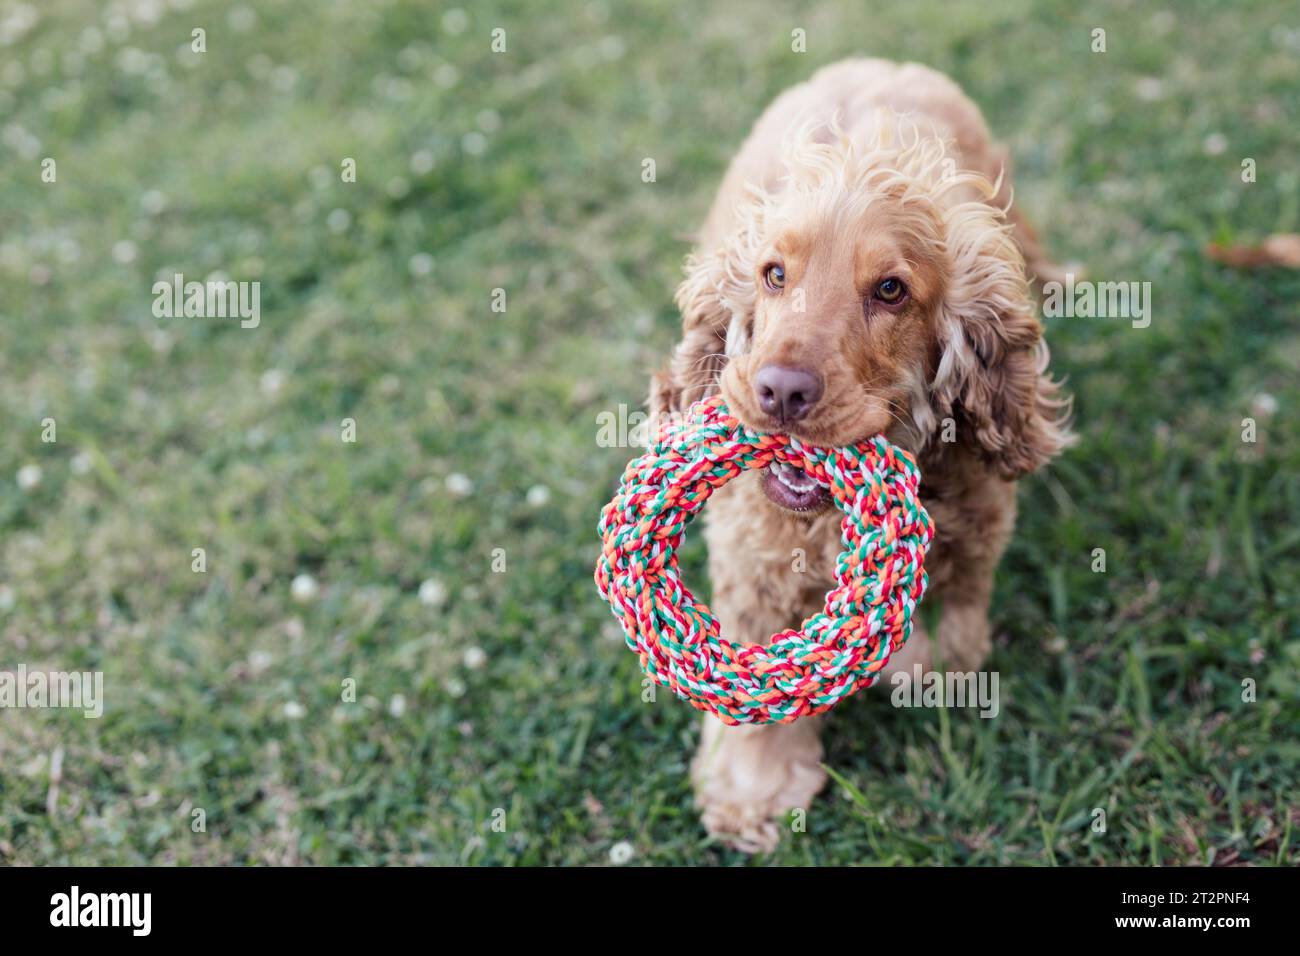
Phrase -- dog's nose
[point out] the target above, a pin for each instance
(787, 394)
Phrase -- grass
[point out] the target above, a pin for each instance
(509, 690)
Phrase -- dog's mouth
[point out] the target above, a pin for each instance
(794, 489)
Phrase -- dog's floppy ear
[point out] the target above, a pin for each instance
(991, 375)
(716, 300)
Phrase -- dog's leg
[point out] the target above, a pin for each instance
(973, 534)
(746, 776)
(965, 635)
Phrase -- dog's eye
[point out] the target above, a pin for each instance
(891, 291)
(774, 277)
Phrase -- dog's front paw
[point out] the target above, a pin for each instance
(743, 827)
(745, 777)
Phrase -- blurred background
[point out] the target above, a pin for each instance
(442, 561)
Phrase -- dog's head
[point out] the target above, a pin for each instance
(877, 290)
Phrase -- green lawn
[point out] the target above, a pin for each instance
(476, 431)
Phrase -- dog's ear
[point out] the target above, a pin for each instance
(716, 300)
(991, 376)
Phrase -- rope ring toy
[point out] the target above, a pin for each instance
(879, 577)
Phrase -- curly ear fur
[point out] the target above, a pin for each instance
(991, 375)
(692, 372)
(716, 300)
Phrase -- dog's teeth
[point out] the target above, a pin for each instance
(794, 477)
(794, 484)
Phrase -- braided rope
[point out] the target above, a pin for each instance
(868, 614)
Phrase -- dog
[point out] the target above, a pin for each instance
(862, 270)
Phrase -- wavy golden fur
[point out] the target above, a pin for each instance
(870, 170)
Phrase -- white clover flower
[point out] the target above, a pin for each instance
(455, 21)
(153, 202)
(92, 41)
(397, 705)
(459, 485)
(421, 162)
(538, 495)
(294, 710)
(1150, 88)
(612, 47)
(304, 588)
(474, 657)
(1264, 405)
(621, 852)
(272, 381)
(320, 177)
(284, 78)
(29, 476)
(446, 76)
(433, 593)
(241, 19)
(124, 252)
